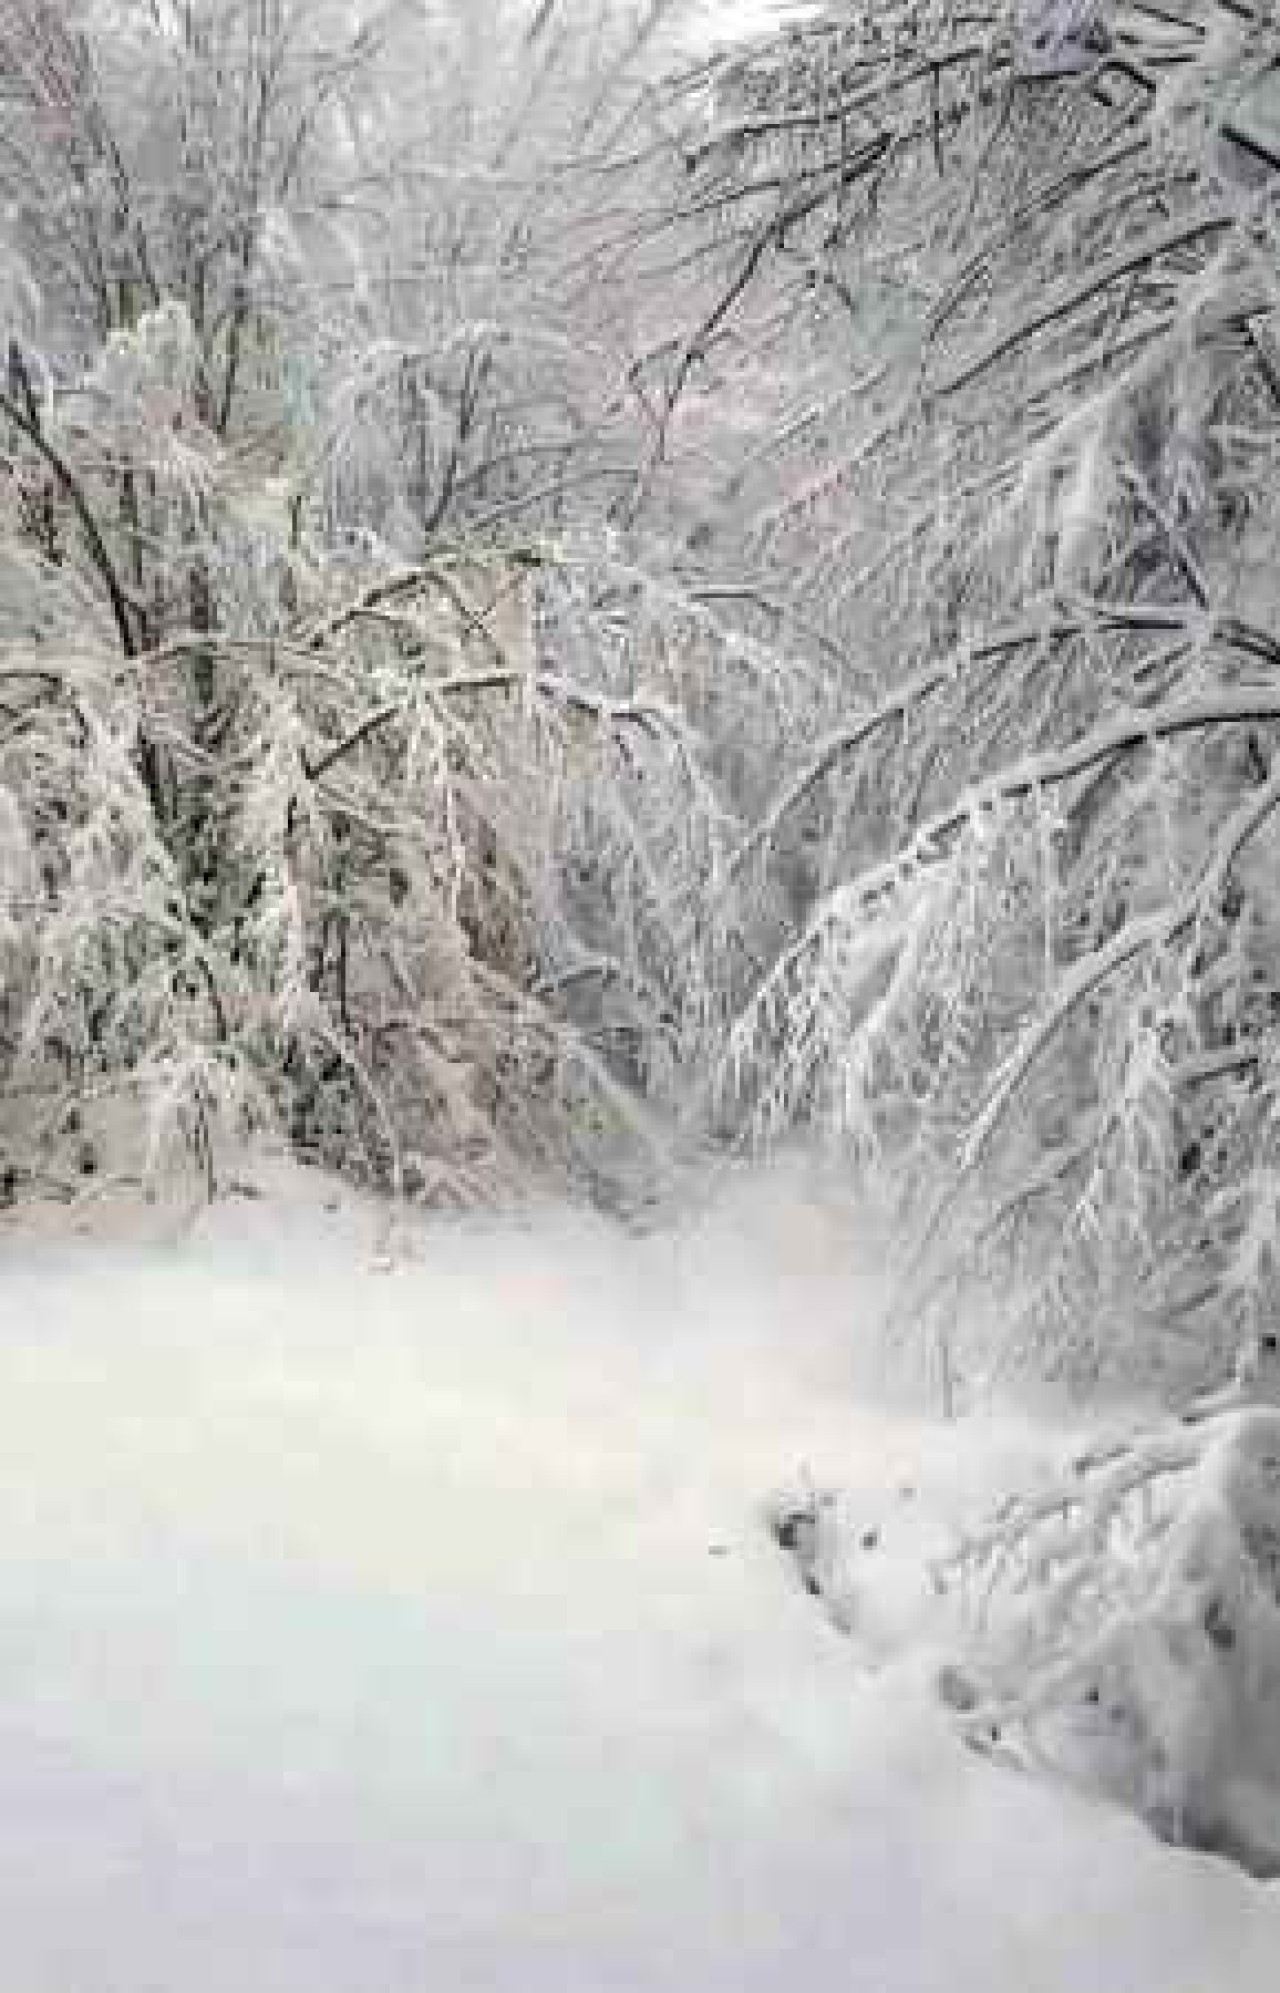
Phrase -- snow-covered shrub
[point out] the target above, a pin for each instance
(1125, 1623)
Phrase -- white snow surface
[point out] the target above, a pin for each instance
(413, 1628)
(723, 23)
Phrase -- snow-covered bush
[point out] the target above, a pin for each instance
(1125, 1622)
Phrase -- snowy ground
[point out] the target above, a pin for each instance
(365, 1630)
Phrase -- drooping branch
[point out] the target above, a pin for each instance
(1067, 298)
(648, 715)
(1123, 734)
(937, 677)
(1146, 936)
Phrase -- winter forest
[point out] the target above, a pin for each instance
(599, 601)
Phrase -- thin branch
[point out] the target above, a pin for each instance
(1068, 297)
(101, 559)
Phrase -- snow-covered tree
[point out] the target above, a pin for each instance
(334, 797)
(992, 292)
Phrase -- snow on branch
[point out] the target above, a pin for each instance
(1027, 779)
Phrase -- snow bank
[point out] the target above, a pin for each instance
(375, 1622)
